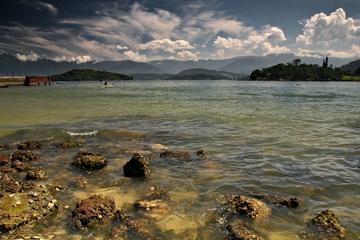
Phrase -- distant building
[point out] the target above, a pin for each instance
(36, 81)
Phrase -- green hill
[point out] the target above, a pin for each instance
(89, 75)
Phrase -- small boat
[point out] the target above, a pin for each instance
(109, 85)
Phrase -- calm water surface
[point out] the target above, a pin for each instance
(268, 137)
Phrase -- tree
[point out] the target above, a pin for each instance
(296, 62)
(357, 72)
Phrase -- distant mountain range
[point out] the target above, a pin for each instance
(9, 64)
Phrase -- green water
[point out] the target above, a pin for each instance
(286, 138)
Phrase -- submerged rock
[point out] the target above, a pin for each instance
(89, 161)
(138, 166)
(19, 166)
(289, 202)
(35, 174)
(247, 206)
(24, 156)
(129, 225)
(155, 202)
(9, 185)
(70, 143)
(19, 209)
(4, 160)
(178, 155)
(29, 146)
(237, 231)
(324, 225)
(94, 211)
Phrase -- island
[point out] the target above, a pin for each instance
(89, 75)
(297, 71)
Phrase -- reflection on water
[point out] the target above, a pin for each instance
(267, 137)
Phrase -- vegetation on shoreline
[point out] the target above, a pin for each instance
(297, 71)
(89, 75)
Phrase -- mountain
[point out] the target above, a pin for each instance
(89, 75)
(9, 65)
(250, 63)
(351, 67)
(204, 74)
(174, 66)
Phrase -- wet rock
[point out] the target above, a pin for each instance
(247, 206)
(4, 160)
(238, 231)
(19, 166)
(9, 185)
(138, 166)
(36, 174)
(29, 146)
(94, 211)
(89, 161)
(324, 225)
(7, 169)
(4, 147)
(71, 143)
(19, 209)
(24, 156)
(176, 155)
(201, 154)
(130, 225)
(289, 202)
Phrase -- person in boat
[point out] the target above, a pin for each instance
(105, 83)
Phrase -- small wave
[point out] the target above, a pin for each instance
(89, 133)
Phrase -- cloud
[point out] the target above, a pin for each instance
(186, 55)
(135, 56)
(31, 57)
(327, 28)
(252, 41)
(119, 47)
(41, 6)
(166, 45)
(77, 59)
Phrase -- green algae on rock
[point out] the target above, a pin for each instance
(89, 161)
(247, 206)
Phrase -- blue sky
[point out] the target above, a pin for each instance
(148, 30)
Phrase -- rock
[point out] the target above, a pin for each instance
(4, 147)
(6, 169)
(35, 174)
(289, 202)
(29, 146)
(130, 225)
(247, 206)
(178, 155)
(324, 225)
(89, 161)
(23, 208)
(19, 166)
(24, 156)
(4, 160)
(201, 154)
(138, 166)
(70, 143)
(9, 185)
(237, 231)
(93, 211)
(154, 204)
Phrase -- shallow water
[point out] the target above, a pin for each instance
(269, 137)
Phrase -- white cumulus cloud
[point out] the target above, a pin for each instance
(31, 57)
(186, 55)
(135, 56)
(166, 45)
(326, 28)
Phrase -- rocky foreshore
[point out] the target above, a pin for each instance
(31, 196)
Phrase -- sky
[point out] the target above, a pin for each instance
(147, 30)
